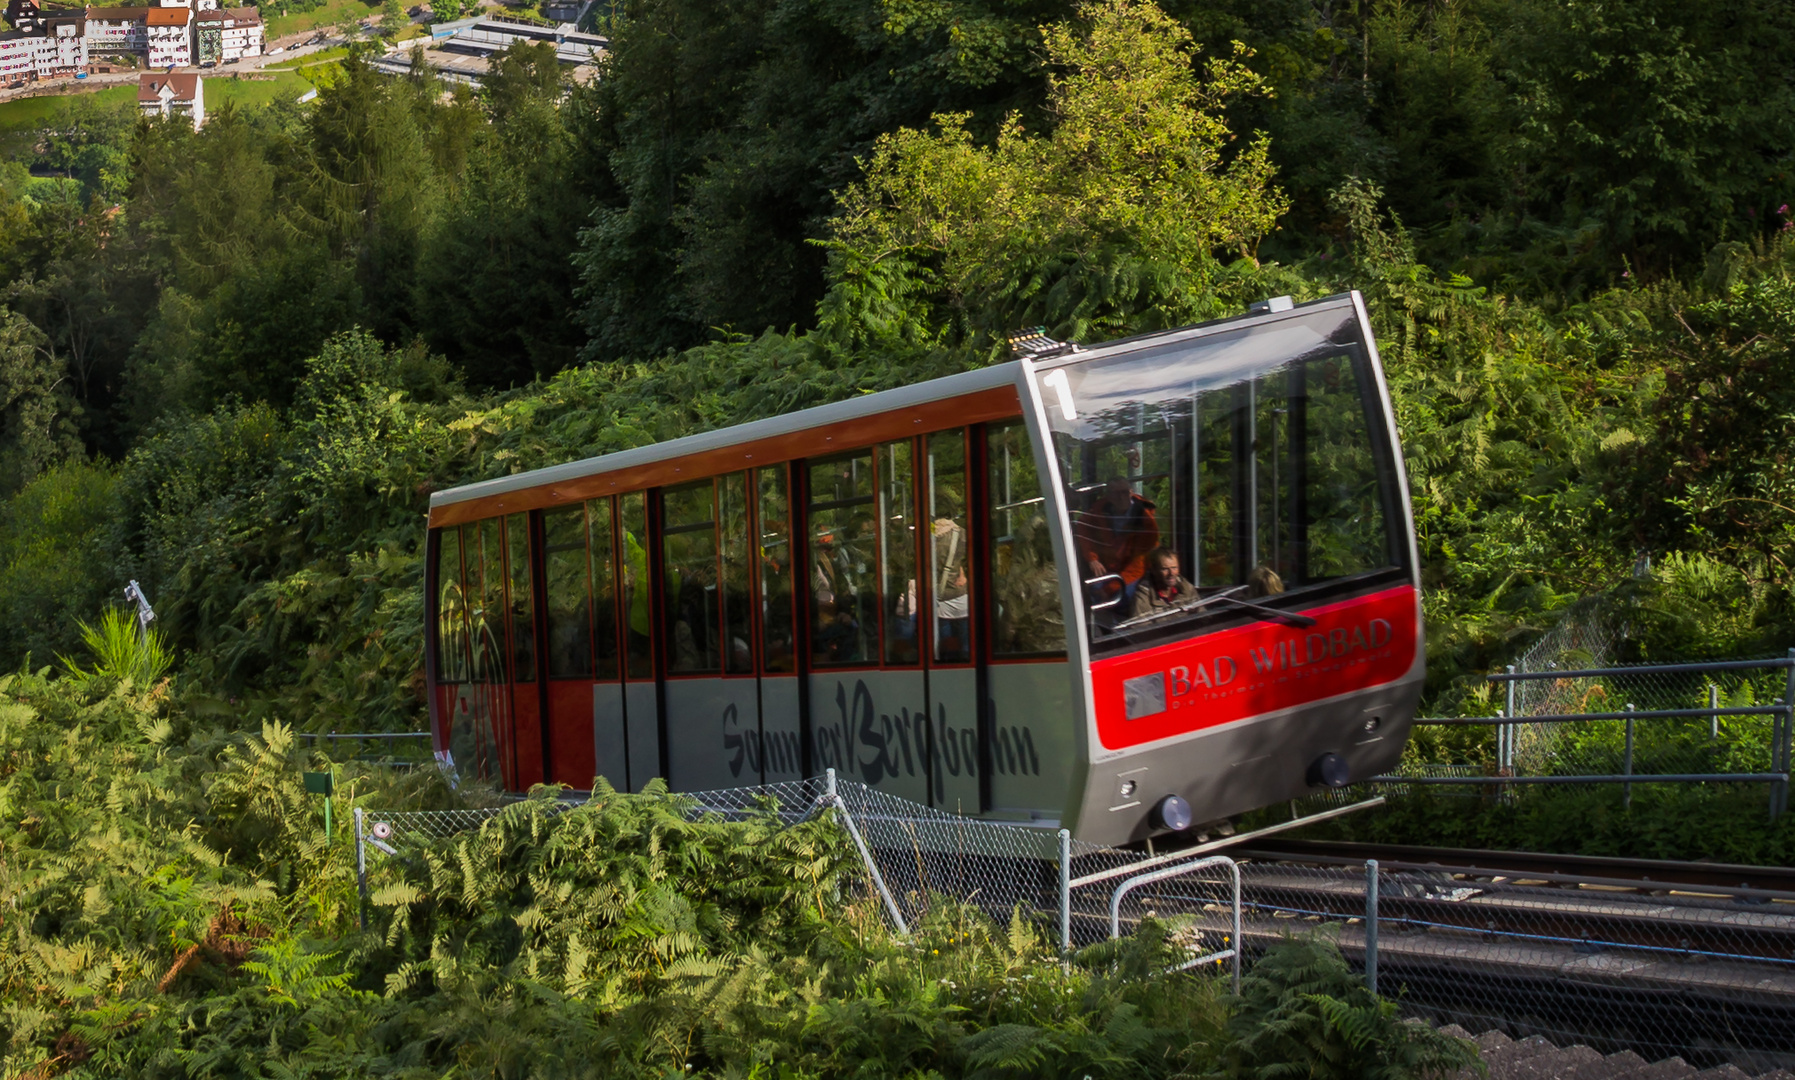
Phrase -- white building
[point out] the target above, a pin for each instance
(172, 95)
(23, 56)
(167, 30)
(116, 30)
(221, 36)
(67, 51)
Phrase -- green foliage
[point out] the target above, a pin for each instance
(121, 650)
(1133, 168)
(53, 558)
(1302, 1004)
(186, 915)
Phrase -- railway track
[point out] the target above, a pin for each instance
(1644, 875)
(1650, 955)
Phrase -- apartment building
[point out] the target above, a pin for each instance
(113, 30)
(176, 33)
(221, 35)
(22, 56)
(168, 31)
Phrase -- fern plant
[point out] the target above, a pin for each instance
(122, 651)
(1303, 1012)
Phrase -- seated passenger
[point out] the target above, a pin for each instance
(953, 610)
(1114, 535)
(1164, 588)
(1264, 581)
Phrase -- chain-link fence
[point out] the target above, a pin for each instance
(1563, 721)
(1708, 972)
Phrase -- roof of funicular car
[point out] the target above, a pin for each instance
(1197, 331)
(949, 387)
(773, 427)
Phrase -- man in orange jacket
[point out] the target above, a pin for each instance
(1114, 535)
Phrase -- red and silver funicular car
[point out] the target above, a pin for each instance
(1125, 589)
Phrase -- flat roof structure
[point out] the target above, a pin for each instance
(462, 51)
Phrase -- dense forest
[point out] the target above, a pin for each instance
(234, 364)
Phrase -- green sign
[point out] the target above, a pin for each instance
(320, 783)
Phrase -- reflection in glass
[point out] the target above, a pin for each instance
(738, 602)
(949, 548)
(604, 588)
(897, 554)
(451, 610)
(1027, 619)
(689, 566)
(638, 626)
(522, 597)
(776, 632)
(487, 621)
(1254, 458)
(567, 585)
(844, 594)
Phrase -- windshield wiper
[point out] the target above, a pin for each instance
(1289, 618)
(1226, 596)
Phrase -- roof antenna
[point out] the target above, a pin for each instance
(1034, 344)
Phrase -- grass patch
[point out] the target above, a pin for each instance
(246, 93)
(332, 13)
(33, 113)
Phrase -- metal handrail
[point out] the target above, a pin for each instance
(1126, 887)
(1563, 718)
(1645, 669)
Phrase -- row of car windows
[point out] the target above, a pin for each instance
(885, 574)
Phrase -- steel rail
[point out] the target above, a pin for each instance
(1656, 875)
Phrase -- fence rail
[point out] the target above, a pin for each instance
(1560, 726)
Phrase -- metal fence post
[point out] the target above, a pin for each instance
(361, 873)
(1782, 786)
(833, 798)
(1508, 730)
(1714, 706)
(1066, 895)
(829, 783)
(1627, 788)
(1371, 924)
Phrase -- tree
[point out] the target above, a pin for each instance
(36, 414)
(392, 18)
(1137, 160)
(720, 134)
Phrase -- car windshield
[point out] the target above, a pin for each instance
(1235, 471)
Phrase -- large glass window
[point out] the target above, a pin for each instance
(897, 553)
(486, 616)
(567, 581)
(637, 619)
(1215, 475)
(451, 609)
(949, 549)
(738, 601)
(1027, 619)
(844, 591)
(522, 598)
(689, 569)
(776, 628)
(604, 588)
